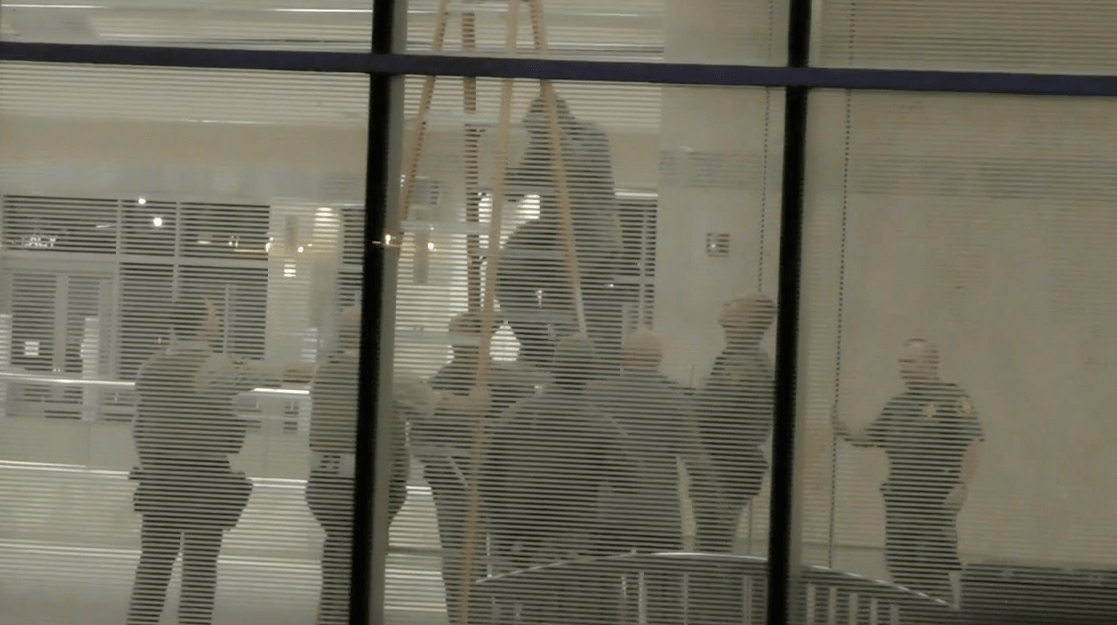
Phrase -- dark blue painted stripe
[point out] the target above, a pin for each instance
(555, 69)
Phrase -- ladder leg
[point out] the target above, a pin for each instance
(418, 138)
(471, 154)
(500, 168)
(550, 102)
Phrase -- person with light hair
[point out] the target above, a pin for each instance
(658, 420)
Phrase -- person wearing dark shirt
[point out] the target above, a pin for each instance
(533, 282)
(552, 460)
(735, 415)
(185, 431)
(329, 489)
(933, 439)
(735, 412)
(657, 416)
(443, 443)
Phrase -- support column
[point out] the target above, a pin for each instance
(718, 220)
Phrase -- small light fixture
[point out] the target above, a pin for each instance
(157, 221)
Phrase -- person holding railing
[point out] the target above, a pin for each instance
(933, 439)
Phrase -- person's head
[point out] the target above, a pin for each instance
(465, 334)
(746, 318)
(574, 361)
(193, 317)
(642, 350)
(537, 121)
(919, 361)
(349, 328)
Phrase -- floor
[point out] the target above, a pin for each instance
(67, 554)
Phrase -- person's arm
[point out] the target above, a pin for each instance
(698, 461)
(871, 436)
(223, 373)
(971, 459)
(477, 402)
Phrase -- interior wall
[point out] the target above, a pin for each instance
(981, 223)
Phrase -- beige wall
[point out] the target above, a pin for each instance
(986, 224)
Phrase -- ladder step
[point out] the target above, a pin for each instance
(459, 119)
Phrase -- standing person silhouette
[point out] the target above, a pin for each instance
(533, 283)
(934, 440)
(188, 493)
(329, 488)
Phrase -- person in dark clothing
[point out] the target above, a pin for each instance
(533, 281)
(553, 460)
(658, 418)
(188, 494)
(933, 439)
(735, 415)
(735, 411)
(329, 489)
(443, 443)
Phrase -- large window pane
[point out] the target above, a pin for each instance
(981, 226)
(336, 25)
(673, 198)
(707, 31)
(164, 186)
(1047, 36)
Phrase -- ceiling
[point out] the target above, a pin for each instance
(628, 29)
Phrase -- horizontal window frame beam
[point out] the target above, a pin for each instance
(683, 74)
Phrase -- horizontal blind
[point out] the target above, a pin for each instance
(1042, 36)
(979, 225)
(115, 436)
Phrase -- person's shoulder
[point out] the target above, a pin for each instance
(960, 399)
(955, 389)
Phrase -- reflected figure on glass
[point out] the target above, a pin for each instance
(553, 465)
(185, 431)
(533, 284)
(443, 443)
(658, 418)
(329, 488)
(933, 439)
